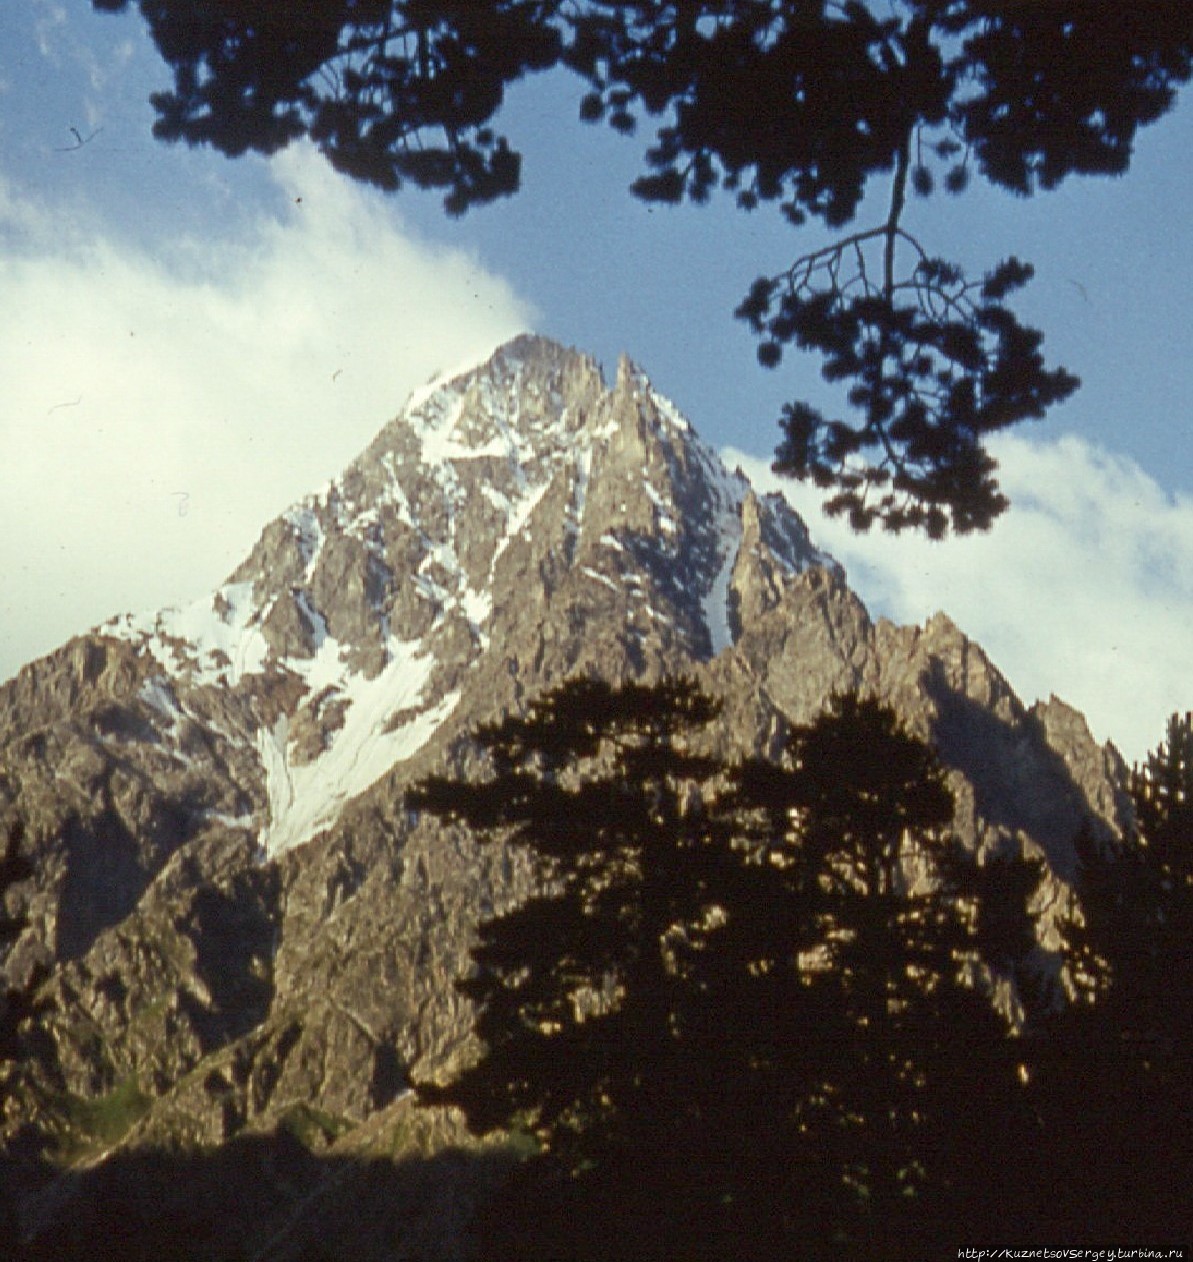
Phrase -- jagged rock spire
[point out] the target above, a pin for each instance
(490, 498)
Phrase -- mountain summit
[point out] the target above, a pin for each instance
(247, 936)
(367, 608)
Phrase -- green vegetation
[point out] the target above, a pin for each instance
(312, 1127)
(741, 1019)
(103, 1120)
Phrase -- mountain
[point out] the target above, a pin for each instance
(251, 944)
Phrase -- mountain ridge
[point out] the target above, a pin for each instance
(242, 923)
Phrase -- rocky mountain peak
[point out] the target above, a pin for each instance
(352, 628)
(243, 924)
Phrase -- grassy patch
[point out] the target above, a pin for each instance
(106, 1119)
(313, 1128)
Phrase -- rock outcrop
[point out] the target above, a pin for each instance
(252, 945)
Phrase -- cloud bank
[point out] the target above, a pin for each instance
(1083, 589)
(157, 407)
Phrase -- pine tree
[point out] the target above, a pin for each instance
(583, 983)
(731, 1019)
(800, 105)
(913, 1102)
(1116, 1082)
(1162, 792)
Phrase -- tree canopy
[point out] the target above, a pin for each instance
(796, 103)
(1112, 1078)
(746, 1009)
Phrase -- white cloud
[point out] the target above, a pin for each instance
(1083, 589)
(48, 28)
(157, 409)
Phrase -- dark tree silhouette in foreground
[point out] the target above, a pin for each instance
(741, 1015)
(1116, 1072)
(800, 104)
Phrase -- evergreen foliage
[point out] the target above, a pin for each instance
(796, 103)
(745, 1012)
(1162, 791)
(1114, 1082)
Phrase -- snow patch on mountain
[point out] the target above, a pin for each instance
(211, 641)
(441, 380)
(387, 720)
(346, 608)
(309, 531)
(727, 493)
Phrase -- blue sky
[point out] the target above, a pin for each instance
(188, 343)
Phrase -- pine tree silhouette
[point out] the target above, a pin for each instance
(1116, 1079)
(802, 106)
(741, 1017)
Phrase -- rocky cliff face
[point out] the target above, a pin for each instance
(248, 937)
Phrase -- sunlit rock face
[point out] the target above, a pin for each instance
(244, 927)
